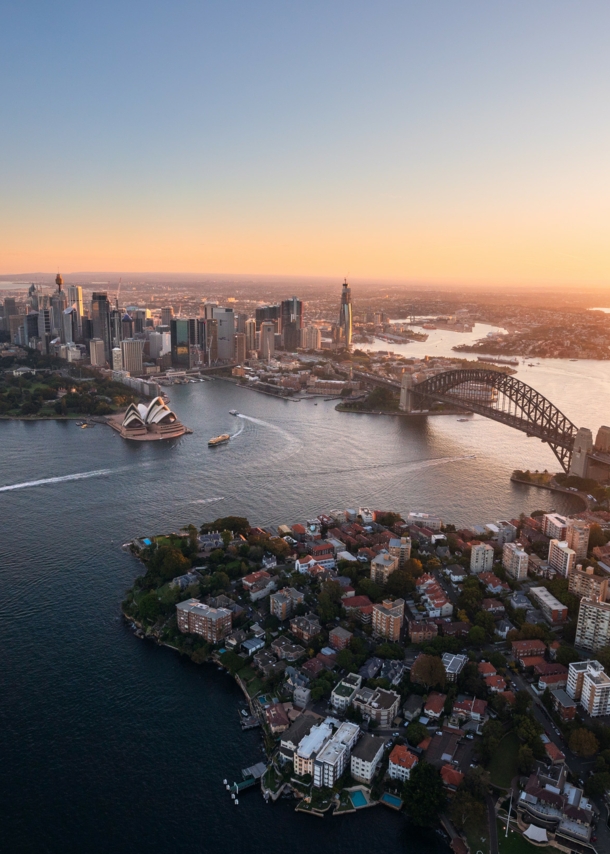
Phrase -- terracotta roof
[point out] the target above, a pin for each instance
(485, 668)
(402, 756)
(451, 776)
(553, 752)
(356, 602)
(435, 703)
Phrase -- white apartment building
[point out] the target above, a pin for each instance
(366, 756)
(309, 746)
(595, 696)
(343, 693)
(481, 558)
(593, 626)
(554, 526)
(425, 520)
(584, 582)
(589, 684)
(577, 537)
(330, 763)
(402, 762)
(561, 557)
(515, 561)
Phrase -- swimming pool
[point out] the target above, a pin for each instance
(391, 800)
(357, 798)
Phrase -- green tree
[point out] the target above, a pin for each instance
(566, 655)
(525, 759)
(345, 659)
(416, 733)
(429, 671)
(399, 584)
(466, 809)
(476, 636)
(424, 795)
(583, 742)
(492, 735)
(596, 537)
(149, 607)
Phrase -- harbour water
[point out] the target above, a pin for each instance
(112, 744)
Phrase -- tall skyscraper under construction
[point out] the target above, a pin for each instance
(345, 317)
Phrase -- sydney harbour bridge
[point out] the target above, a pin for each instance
(504, 398)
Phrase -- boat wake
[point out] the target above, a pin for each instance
(296, 444)
(83, 475)
(207, 500)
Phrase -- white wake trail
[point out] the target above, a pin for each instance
(207, 500)
(79, 476)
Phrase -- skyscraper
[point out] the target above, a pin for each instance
(267, 343)
(166, 315)
(100, 321)
(291, 316)
(240, 348)
(97, 352)
(250, 331)
(181, 342)
(226, 333)
(345, 316)
(75, 299)
(268, 312)
(131, 356)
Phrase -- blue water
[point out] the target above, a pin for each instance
(358, 799)
(391, 799)
(109, 743)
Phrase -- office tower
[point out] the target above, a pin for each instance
(268, 312)
(100, 321)
(554, 526)
(593, 626)
(59, 303)
(159, 344)
(10, 309)
(117, 359)
(30, 326)
(515, 561)
(208, 310)
(312, 338)
(200, 331)
(584, 583)
(577, 537)
(180, 342)
(345, 316)
(250, 330)
(291, 318)
(211, 340)
(481, 558)
(226, 333)
(166, 316)
(240, 348)
(267, 339)
(131, 356)
(97, 352)
(69, 329)
(240, 323)
(561, 557)
(126, 326)
(75, 300)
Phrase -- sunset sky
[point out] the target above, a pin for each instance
(429, 141)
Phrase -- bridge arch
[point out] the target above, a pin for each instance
(501, 397)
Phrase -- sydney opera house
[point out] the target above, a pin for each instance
(149, 422)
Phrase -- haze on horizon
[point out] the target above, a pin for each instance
(393, 141)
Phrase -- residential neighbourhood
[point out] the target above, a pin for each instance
(375, 650)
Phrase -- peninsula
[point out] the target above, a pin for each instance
(401, 662)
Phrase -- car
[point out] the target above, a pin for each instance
(470, 736)
(395, 734)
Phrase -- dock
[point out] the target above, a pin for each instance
(251, 722)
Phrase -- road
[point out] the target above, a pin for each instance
(493, 826)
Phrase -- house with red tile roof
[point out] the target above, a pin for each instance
(435, 705)
(402, 761)
(451, 777)
(486, 668)
(470, 708)
(495, 683)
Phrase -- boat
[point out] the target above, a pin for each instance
(462, 419)
(233, 412)
(219, 440)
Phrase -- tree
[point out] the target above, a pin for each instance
(345, 659)
(416, 733)
(414, 567)
(522, 702)
(399, 584)
(492, 735)
(149, 607)
(525, 759)
(583, 742)
(424, 795)
(566, 655)
(429, 671)
(603, 656)
(476, 636)
(465, 809)
(237, 524)
(596, 537)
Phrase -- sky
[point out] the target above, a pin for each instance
(435, 141)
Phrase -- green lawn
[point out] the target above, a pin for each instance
(517, 844)
(255, 687)
(478, 836)
(503, 765)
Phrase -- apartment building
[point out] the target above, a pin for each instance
(481, 558)
(400, 548)
(344, 691)
(366, 756)
(593, 626)
(515, 561)
(379, 705)
(195, 618)
(309, 747)
(453, 664)
(552, 608)
(421, 631)
(339, 638)
(589, 684)
(382, 566)
(554, 526)
(331, 761)
(577, 537)
(587, 585)
(283, 603)
(425, 520)
(387, 619)
(305, 628)
(402, 762)
(561, 557)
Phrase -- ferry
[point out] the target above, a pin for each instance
(219, 440)
(233, 412)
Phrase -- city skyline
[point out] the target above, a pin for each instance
(400, 143)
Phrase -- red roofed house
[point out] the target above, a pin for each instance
(435, 705)
(470, 708)
(509, 696)
(552, 681)
(298, 531)
(401, 763)
(493, 606)
(303, 563)
(495, 683)
(524, 649)
(554, 753)
(451, 777)
(358, 606)
(486, 668)
(313, 668)
(493, 583)
(249, 581)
